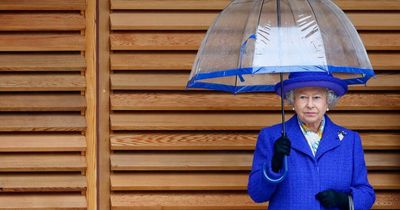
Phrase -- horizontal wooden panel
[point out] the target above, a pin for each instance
(223, 141)
(44, 62)
(42, 122)
(186, 162)
(42, 102)
(241, 121)
(213, 200)
(43, 201)
(381, 41)
(35, 42)
(184, 61)
(35, 82)
(220, 4)
(375, 21)
(191, 40)
(42, 183)
(215, 181)
(42, 162)
(42, 5)
(219, 161)
(41, 22)
(169, 4)
(202, 20)
(41, 143)
(253, 101)
(152, 61)
(384, 61)
(178, 81)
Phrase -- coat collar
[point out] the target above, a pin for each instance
(329, 140)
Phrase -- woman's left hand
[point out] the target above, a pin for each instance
(333, 199)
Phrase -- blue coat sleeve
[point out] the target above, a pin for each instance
(259, 188)
(362, 192)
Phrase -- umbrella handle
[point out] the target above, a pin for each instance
(282, 177)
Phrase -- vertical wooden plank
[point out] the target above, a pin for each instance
(103, 194)
(90, 56)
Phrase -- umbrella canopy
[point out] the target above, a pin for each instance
(252, 41)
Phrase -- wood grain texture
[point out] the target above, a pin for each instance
(36, 42)
(41, 162)
(42, 143)
(240, 121)
(42, 102)
(213, 200)
(41, 22)
(43, 62)
(137, 40)
(35, 82)
(43, 201)
(42, 5)
(384, 61)
(221, 161)
(42, 122)
(42, 183)
(152, 61)
(178, 81)
(202, 20)
(215, 181)
(251, 101)
(220, 4)
(233, 140)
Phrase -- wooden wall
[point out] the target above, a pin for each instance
(172, 148)
(47, 111)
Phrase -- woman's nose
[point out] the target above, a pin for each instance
(310, 102)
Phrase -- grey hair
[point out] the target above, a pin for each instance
(331, 97)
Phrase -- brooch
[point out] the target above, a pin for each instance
(341, 135)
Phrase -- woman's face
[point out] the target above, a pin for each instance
(310, 104)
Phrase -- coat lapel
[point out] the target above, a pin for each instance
(330, 138)
(298, 141)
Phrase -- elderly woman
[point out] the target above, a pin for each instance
(326, 166)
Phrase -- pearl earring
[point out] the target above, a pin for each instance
(327, 109)
(293, 108)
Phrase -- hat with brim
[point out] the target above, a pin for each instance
(312, 79)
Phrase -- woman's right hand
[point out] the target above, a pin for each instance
(281, 148)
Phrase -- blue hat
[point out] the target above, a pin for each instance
(312, 79)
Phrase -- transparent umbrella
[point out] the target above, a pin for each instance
(254, 44)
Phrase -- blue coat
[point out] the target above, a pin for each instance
(338, 165)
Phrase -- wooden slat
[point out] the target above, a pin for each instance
(384, 61)
(215, 181)
(191, 40)
(169, 4)
(42, 122)
(36, 82)
(256, 101)
(44, 62)
(381, 41)
(178, 81)
(375, 21)
(41, 162)
(184, 61)
(152, 61)
(202, 20)
(220, 4)
(42, 183)
(41, 102)
(219, 161)
(213, 200)
(42, 5)
(41, 22)
(34, 42)
(240, 121)
(223, 141)
(186, 162)
(41, 143)
(43, 201)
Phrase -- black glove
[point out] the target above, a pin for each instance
(281, 148)
(333, 199)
